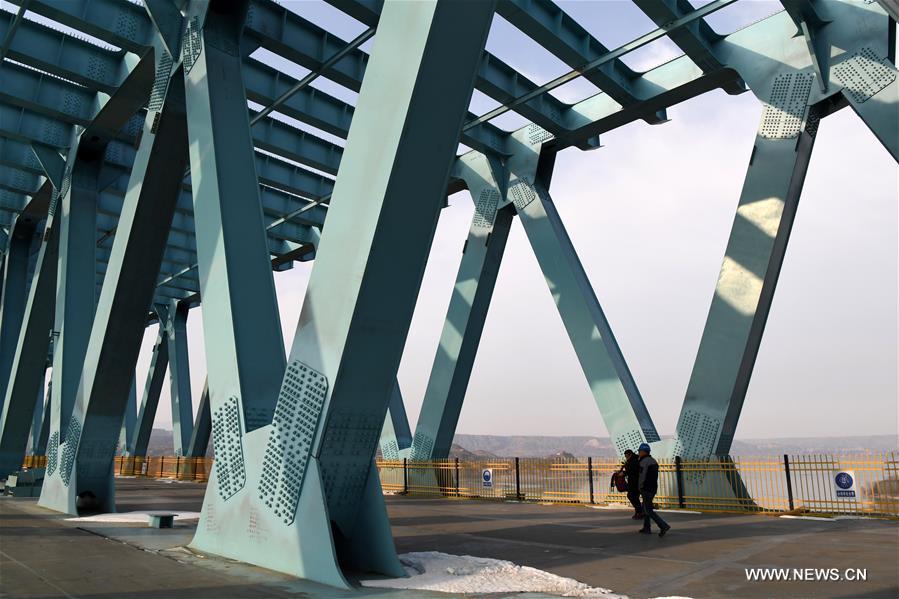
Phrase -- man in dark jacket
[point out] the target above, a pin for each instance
(631, 469)
(649, 486)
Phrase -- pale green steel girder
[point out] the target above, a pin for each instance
(15, 294)
(126, 435)
(179, 375)
(76, 217)
(65, 56)
(549, 25)
(40, 448)
(697, 40)
(785, 82)
(18, 154)
(37, 418)
(245, 351)
(21, 124)
(467, 312)
(396, 438)
(199, 438)
(127, 291)
(30, 357)
(146, 414)
(393, 174)
(611, 382)
(274, 27)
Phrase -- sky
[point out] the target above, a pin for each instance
(649, 214)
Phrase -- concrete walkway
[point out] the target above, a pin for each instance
(705, 555)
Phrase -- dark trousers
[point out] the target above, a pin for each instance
(634, 498)
(649, 513)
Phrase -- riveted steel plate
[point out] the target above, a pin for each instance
(864, 75)
(784, 112)
(485, 208)
(227, 442)
(73, 434)
(289, 446)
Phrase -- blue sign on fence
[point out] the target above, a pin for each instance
(487, 477)
(844, 484)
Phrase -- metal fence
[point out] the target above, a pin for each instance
(181, 468)
(798, 483)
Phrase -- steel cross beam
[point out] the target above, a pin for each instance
(125, 25)
(697, 39)
(547, 24)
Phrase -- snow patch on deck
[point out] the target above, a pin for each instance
(435, 571)
(132, 517)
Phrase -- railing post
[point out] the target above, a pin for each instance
(789, 481)
(679, 475)
(457, 477)
(590, 477)
(405, 478)
(517, 481)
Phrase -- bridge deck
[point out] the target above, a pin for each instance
(43, 555)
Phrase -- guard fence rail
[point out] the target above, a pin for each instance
(784, 484)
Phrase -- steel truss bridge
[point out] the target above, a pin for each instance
(135, 183)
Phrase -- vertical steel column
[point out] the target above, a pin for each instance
(76, 217)
(41, 447)
(146, 415)
(126, 436)
(179, 375)
(15, 294)
(199, 438)
(748, 276)
(31, 356)
(241, 327)
(467, 312)
(37, 417)
(317, 494)
(613, 387)
(129, 285)
(396, 438)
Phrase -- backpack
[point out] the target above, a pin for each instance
(619, 482)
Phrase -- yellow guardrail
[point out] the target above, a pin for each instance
(798, 483)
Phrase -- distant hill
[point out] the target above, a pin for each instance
(473, 447)
(526, 446)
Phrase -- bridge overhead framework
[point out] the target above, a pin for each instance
(139, 178)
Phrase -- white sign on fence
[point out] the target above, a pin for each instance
(844, 484)
(487, 477)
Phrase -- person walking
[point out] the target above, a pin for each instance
(648, 486)
(631, 468)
